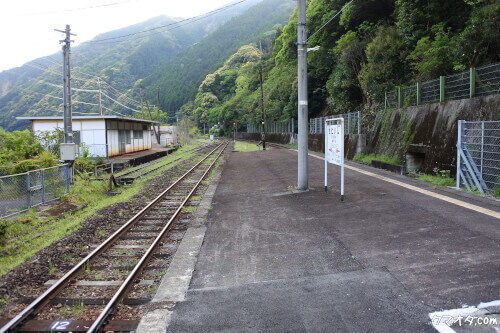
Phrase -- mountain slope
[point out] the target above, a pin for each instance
(120, 62)
(180, 77)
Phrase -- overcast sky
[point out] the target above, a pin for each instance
(27, 26)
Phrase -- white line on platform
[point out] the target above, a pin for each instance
(454, 201)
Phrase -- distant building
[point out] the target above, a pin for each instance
(104, 136)
(168, 135)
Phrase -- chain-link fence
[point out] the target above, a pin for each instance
(22, 191)
(478, 158)
(352, 123)
(285, 126)
(479, 81)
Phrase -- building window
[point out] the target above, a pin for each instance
(137, 134)
(128, 138)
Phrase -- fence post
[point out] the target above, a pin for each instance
(112, 167)
(459, 147)
(66, 178)
(441, 89)
(419, 93)
(482, 147)
(359, 122)
(349, 123)
(399, 98)
(28, 189)
(42, 180)
(472, 82)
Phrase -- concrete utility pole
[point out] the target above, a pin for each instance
(262, 129)
(100, 96)
(303, 173)
(68, 127)
(142, 102)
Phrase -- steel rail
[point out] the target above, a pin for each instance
(118, 176)
(101, 319)
(41, 300)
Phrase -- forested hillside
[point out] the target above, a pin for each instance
(121, 62)
(179, 78)
(371, 47)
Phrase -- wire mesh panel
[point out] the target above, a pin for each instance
(488, 80)
(352, 123)
(22, 191)
(409, 95)
(430, 91)
(392, 99)
(479, 151)
(457, 86)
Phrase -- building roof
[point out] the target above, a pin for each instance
(88, 117)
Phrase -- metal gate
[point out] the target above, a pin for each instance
(478, 155)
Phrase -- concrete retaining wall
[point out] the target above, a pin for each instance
(428, 133)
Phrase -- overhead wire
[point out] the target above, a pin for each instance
(331, 19)
(189, 20)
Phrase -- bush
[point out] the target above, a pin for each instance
(3, 229)
(44, 160)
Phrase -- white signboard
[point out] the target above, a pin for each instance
(211, 137)
(334, 149)
(335, 143)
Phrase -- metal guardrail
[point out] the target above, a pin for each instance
(481, 81)
(23, 191)
(478, 155)
(352, 123)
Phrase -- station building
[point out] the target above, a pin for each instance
(104, 136)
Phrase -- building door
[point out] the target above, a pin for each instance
(122, 140)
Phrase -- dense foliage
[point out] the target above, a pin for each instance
(371, 47)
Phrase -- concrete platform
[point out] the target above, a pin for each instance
(140, 157)
(276, 260)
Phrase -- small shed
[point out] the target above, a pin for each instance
(104, 136)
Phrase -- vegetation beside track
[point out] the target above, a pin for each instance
(32, 231)
(244, 146)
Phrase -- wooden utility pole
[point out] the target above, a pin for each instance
(158, 110)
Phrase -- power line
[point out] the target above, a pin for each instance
(187, 20)
(331, 19)
(120, 103)
(80, 8)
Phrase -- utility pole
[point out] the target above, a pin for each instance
(66, 48)
(262, 129)
(158, 110)
(142, 102)
(303, 173)
(100, 96)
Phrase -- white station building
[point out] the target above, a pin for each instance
(104, 136)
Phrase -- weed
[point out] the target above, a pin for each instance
(101, 233)
(368, 158)
(78, 307)
(440, 177)
(244, 146)
(52, 268)
(98, 276)
(188, 209)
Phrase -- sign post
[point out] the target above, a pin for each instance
(334, 149)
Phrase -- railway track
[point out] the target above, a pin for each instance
(113, 278)
(147, 168)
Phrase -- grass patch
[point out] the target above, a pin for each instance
(496, 192)
(437, 180)
(30, 232)
(188, 209)
(244, 146)
(368, 158)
